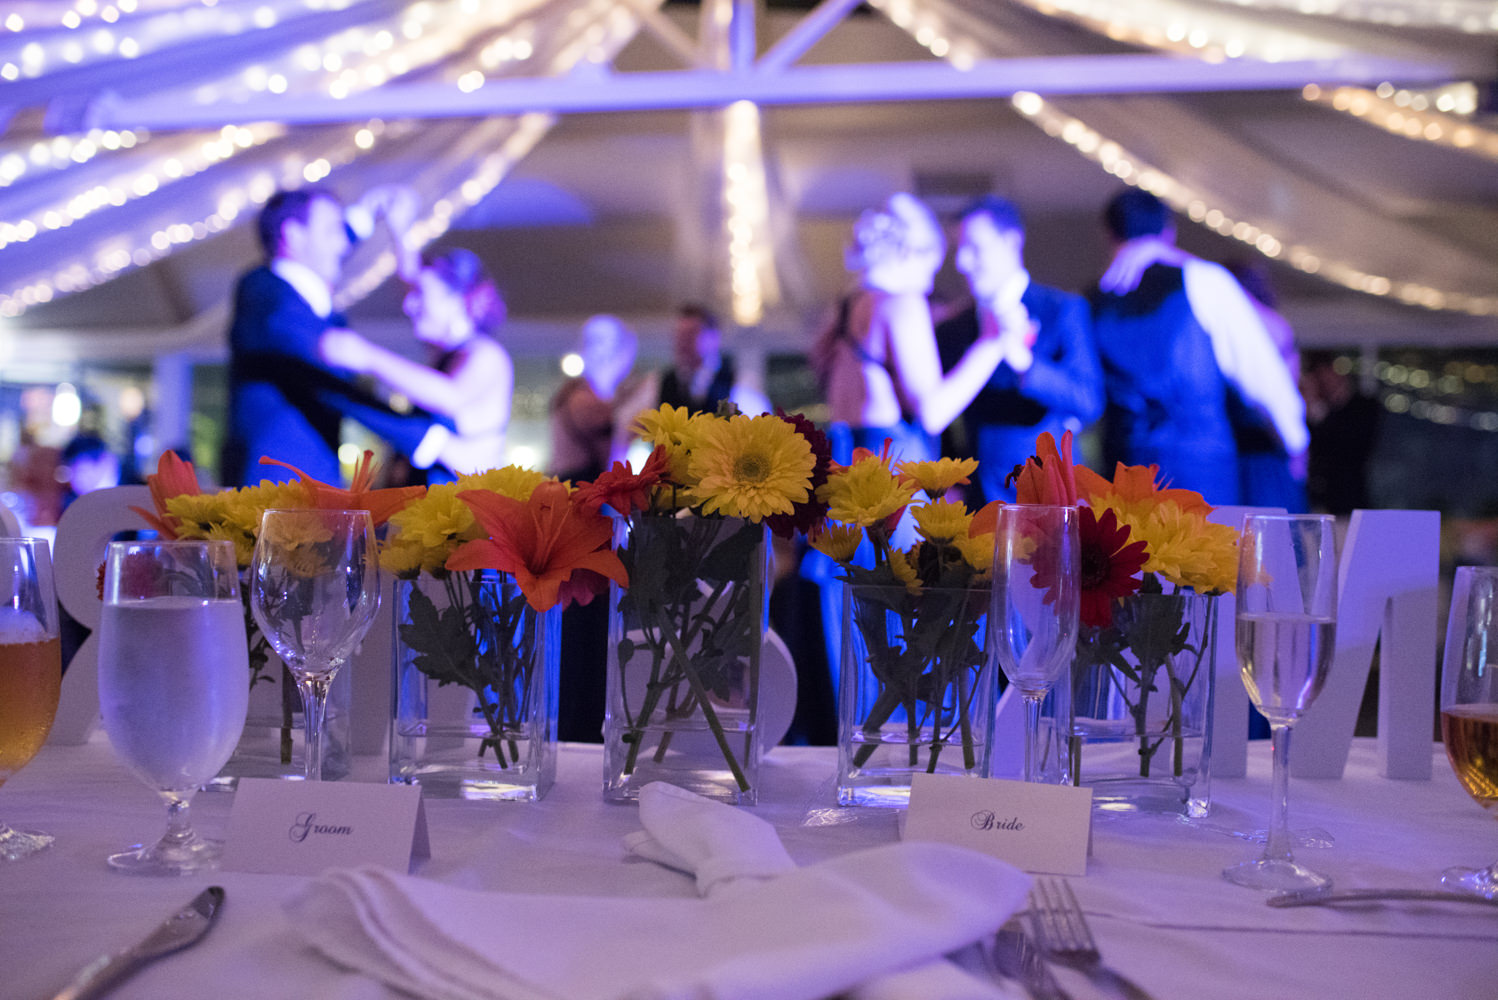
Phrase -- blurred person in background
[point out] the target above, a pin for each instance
(87, 464)
(285, 400)
(585, 435)
(1178, 339)
(877, 360)
(1048, 380)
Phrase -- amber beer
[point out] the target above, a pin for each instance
(30, 681)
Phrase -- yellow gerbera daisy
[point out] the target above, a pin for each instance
(750, 467)
(864, 493)
(939, 476)
(941, 521)
(838, 542)
(666, 425)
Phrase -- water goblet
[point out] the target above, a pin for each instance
(1036, 600)
(314, 591)
(174, 682)
(30, 670)
(1284, 632)
(1469, 705)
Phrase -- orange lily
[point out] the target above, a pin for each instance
(173, 478)
(380, 503)
(1048, 476)
(542, 542)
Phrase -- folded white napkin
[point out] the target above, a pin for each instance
(806, 934)
(726, 847)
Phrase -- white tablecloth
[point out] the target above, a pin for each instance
(1162, 913)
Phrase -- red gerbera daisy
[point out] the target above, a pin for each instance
(623, 490)
(1110, 564)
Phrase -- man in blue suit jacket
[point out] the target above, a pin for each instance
(1049, 380)
(284, 401)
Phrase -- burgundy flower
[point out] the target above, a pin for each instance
(810, 512)
(1110, 564)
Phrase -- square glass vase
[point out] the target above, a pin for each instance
(1139, 715)
(474, 688)
(916, 690)
(683, 668)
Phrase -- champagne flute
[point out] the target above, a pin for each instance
(173, 659)
(1469, 705)
(1285, 631)
(30, 670)
(314, 591)
(1036, 599)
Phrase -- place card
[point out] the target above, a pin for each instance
(1039, 828)
(306, 827)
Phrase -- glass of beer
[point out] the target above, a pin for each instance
(30, 669)
(1469, 705)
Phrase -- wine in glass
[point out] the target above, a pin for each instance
(1036, 599)
(30, 670)
(1469, 705)
(314, 591)
(173, 682)
(1285, 631)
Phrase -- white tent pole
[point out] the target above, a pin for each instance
(808, 31)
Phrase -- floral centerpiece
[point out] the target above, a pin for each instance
(1142, 677)
(917, 680)
(686, 633)
(183, 510)
(484, 566)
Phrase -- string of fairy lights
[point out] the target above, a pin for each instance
(929, 29)
(423, 35)
(1450, 394)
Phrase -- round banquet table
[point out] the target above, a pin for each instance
(1160, 910)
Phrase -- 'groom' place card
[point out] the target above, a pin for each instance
(307, 827)
(1039, 828)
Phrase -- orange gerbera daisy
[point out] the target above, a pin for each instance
(380, 503)
(543, 542)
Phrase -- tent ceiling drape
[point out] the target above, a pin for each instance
(141, 135)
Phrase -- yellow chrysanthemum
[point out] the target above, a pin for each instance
(1187, 550)
(902, 567)
(864, 493)
(436, 524)
(977, 551)
(404, 559)
(512, 481)
(838, 542)
(939, 476)
(750, 467)
(942, 521)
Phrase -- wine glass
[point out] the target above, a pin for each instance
(1469, 705)
(30, 670)
(174, 683)
(314, 591)
(1036, 598)
(1285, 631)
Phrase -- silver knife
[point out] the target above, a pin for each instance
(1018, 958)
(185, 927)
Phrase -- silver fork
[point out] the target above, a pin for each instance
(1061, 930)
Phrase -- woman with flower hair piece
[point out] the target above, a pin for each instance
(455, 310)
(877, 361)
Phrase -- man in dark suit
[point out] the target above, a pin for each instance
(1049, 378)
(284, 401)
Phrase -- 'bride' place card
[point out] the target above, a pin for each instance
(307, 827)
(1039, 828)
